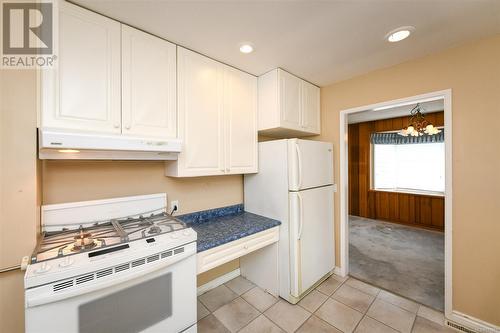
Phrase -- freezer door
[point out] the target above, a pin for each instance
(312, 242)
(310, 164)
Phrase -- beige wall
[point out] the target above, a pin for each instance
(66, 181)
(472, 71)
(19, 199)
(18, 165)
(218, 271)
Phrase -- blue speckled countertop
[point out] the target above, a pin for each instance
(223, 225)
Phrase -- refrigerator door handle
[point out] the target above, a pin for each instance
(301, 216)
(299, 162)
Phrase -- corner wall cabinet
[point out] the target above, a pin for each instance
(217, 118)
(288, 105)
(110, 79)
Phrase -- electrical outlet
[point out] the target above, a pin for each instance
(174, 205)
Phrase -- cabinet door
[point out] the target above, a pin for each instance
(310, 108)
(148, 85)
(290, 100)
(240, 112)
(83, 91)
(200, 85)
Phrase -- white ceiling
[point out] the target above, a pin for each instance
(398, 111)
(320, 41)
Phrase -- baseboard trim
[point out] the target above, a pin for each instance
(338, 271)
(471, 323)
(218, 281)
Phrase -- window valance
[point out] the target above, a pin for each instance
(396, 139)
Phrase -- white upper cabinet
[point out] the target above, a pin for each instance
(148, 85)
(288, 105)
(200, 113)
(289, 91)
(311, 108)
(240, 111)
(110, 79)
(217, 118)
(117, 88)
(83, 92)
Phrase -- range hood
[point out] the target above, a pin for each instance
(57, 144)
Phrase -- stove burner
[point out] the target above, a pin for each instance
(83, 241)
(145, 223)
(154, 230)
(70, 241)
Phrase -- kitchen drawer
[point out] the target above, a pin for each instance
(224, 253)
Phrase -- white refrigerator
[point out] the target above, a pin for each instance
(295, 185)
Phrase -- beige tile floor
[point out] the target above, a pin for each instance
(337, 305)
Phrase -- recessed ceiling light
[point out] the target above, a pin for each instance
(399, 34)
(246, 48)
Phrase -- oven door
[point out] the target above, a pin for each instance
(159, 300)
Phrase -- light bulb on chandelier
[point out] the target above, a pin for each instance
(418, 125)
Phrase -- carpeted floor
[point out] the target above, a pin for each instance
(405, 260)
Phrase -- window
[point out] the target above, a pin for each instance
(403, 167)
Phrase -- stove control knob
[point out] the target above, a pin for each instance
(186, 232)
(66, 262)
(44, 267)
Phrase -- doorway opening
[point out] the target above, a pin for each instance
(395, 199)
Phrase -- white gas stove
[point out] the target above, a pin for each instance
(117, 265)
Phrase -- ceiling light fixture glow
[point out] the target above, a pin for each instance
(68, 151)
(399, 34)
(246, 48)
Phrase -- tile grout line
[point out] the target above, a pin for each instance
(365, 314)
(413, 322)
(283, 329)
(327, 297)
(415, 319)
(378, 321)
(259, 313)
(313, 312)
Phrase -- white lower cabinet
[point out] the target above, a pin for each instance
(217, 118)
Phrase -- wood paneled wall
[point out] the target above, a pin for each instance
(412, 209)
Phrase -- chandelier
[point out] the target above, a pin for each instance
(418, 125)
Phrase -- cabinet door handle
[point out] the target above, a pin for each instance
(116, 125)
(227, 169)
(127, 127)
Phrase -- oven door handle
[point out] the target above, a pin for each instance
(36, 298)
